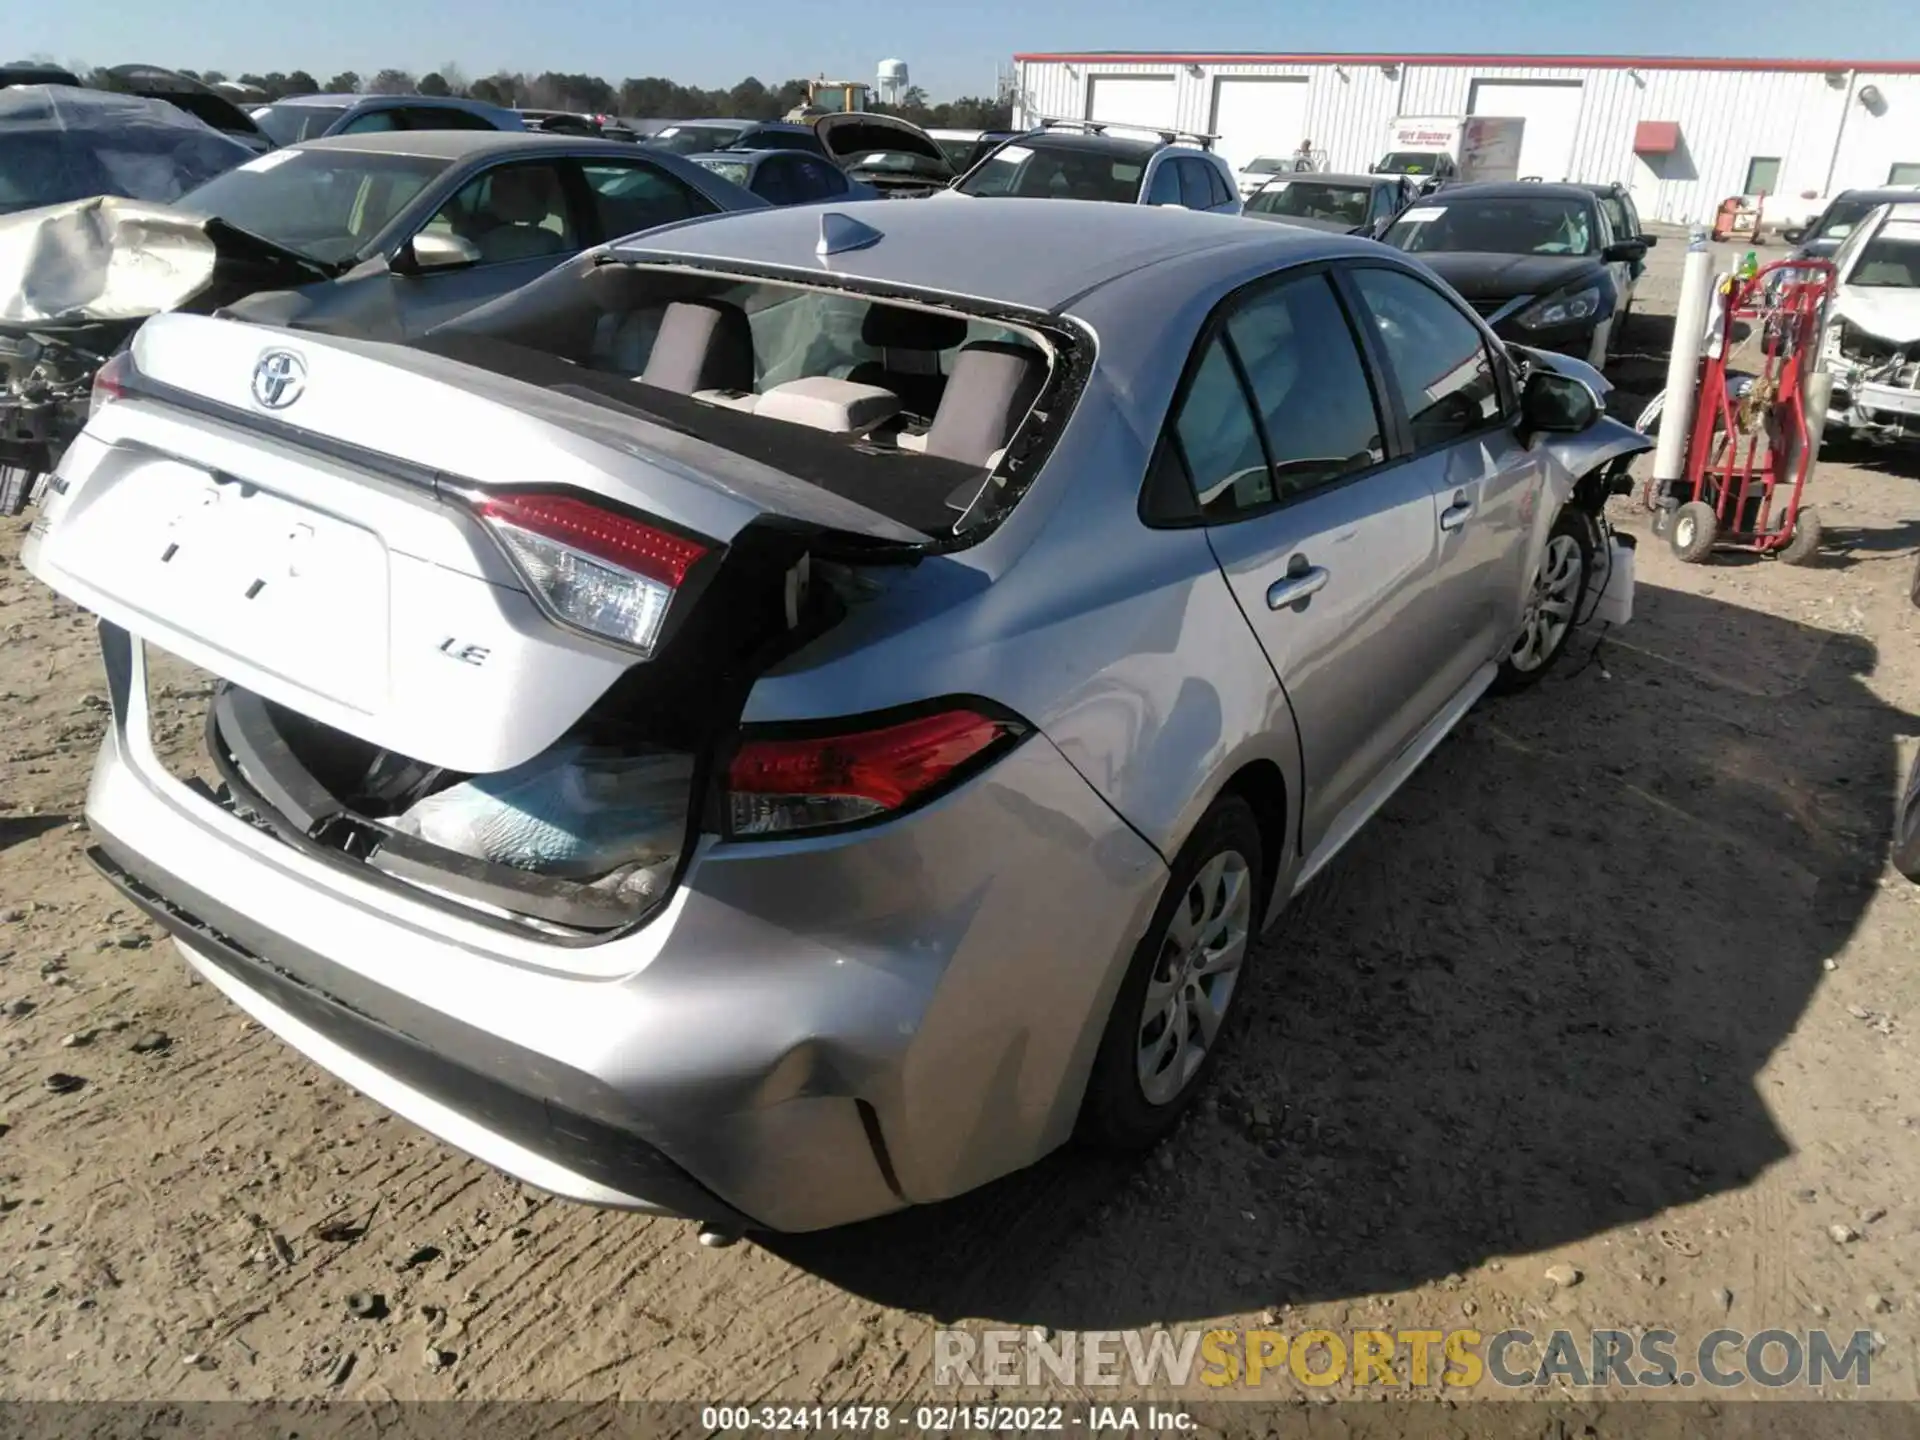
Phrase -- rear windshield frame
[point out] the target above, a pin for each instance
(1002, 488)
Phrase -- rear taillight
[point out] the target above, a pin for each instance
(110, 382)
(595, 569)
(779, 786)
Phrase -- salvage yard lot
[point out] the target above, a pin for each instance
(1621, 982)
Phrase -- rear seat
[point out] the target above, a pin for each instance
(702, 345)
(992, 387)
(910, 342)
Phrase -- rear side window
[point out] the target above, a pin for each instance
(371, 122)
(1222, 192)
(443, 117)
(1280, 405)
(1440, 365)
(630, 197)
(773, 182)
(1195, 192)
(1166, 189)
(823, 180)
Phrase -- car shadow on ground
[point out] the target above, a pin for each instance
(16, 829)
(1527, 1005)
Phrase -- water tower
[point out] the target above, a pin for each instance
(893, 81)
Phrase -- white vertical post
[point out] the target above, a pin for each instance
(1683, 365)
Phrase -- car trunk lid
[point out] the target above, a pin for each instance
(291, 514)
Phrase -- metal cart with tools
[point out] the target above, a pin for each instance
(1754, 436)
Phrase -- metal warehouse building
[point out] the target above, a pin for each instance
(1683, 134)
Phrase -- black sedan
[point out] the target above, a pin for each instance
(1541, 263)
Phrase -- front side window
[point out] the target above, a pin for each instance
(443, 117)
(371, 122)
(511, 212)
(1439, 362)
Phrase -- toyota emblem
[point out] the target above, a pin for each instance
(279, 379)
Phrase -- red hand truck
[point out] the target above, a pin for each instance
(1751, 452)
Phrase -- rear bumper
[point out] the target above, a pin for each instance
(808, 1033)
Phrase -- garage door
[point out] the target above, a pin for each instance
(1259, 117)
(1552, 113)
(1131, 100)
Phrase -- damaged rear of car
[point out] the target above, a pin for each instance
(1872, 345)
(478, 695)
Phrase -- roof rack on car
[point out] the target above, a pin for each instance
(1169, 135)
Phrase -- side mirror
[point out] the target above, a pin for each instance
(1648, 240)
(1625, 252)
(436, 251)
(1556, 404)
(1795, 235)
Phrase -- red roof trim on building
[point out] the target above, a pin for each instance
(1489, 62)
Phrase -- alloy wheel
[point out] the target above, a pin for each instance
(1195, 976)
(1550, 607)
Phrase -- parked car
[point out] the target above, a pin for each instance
(573, 122)
(27, 73)
(1828, 230)
(1062, 162)
(786, 177)
(313, 117)
(1262, 168)
(414, 228)
(1623, 217)
(965, 148)
(731, 792)
(58, 144)
(1541, 264)
(779, 135)
(1344, 204)
(371, 235)
(698, 137)
(203, 102)
(1872, 341)
(894, 156)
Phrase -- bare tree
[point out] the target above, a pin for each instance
(392, 82)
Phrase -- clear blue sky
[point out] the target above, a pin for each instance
(951, 48)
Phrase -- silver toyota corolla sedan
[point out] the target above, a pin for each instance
(803, 713)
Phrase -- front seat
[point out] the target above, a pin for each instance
(992, 387)
(518, 201)
(910, 343)
(702, 345)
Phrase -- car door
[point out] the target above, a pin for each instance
(1451, 387)
(1326, 540)
(523, 218)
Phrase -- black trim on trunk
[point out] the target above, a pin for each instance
(526, 1098)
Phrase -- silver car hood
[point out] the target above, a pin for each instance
(105, 258)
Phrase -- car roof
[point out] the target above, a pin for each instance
(714, 120)
(790, 127)
(1601, 187)
(346, 101)
(1514, 190)
(1037, 254)
(1881, 194)
(463, 144)
(1123, 146)
(1338, 178)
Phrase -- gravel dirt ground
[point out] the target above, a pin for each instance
(1621, 982)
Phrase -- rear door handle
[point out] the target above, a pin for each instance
(1457, 515)
(1297, 586)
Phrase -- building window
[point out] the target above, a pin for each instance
(1905, 173)
(1763, 175)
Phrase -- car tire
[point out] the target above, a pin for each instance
(1142, 1081)
(1553, 605)
(1906, 827)
(1803, 546)
(1693, 532)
